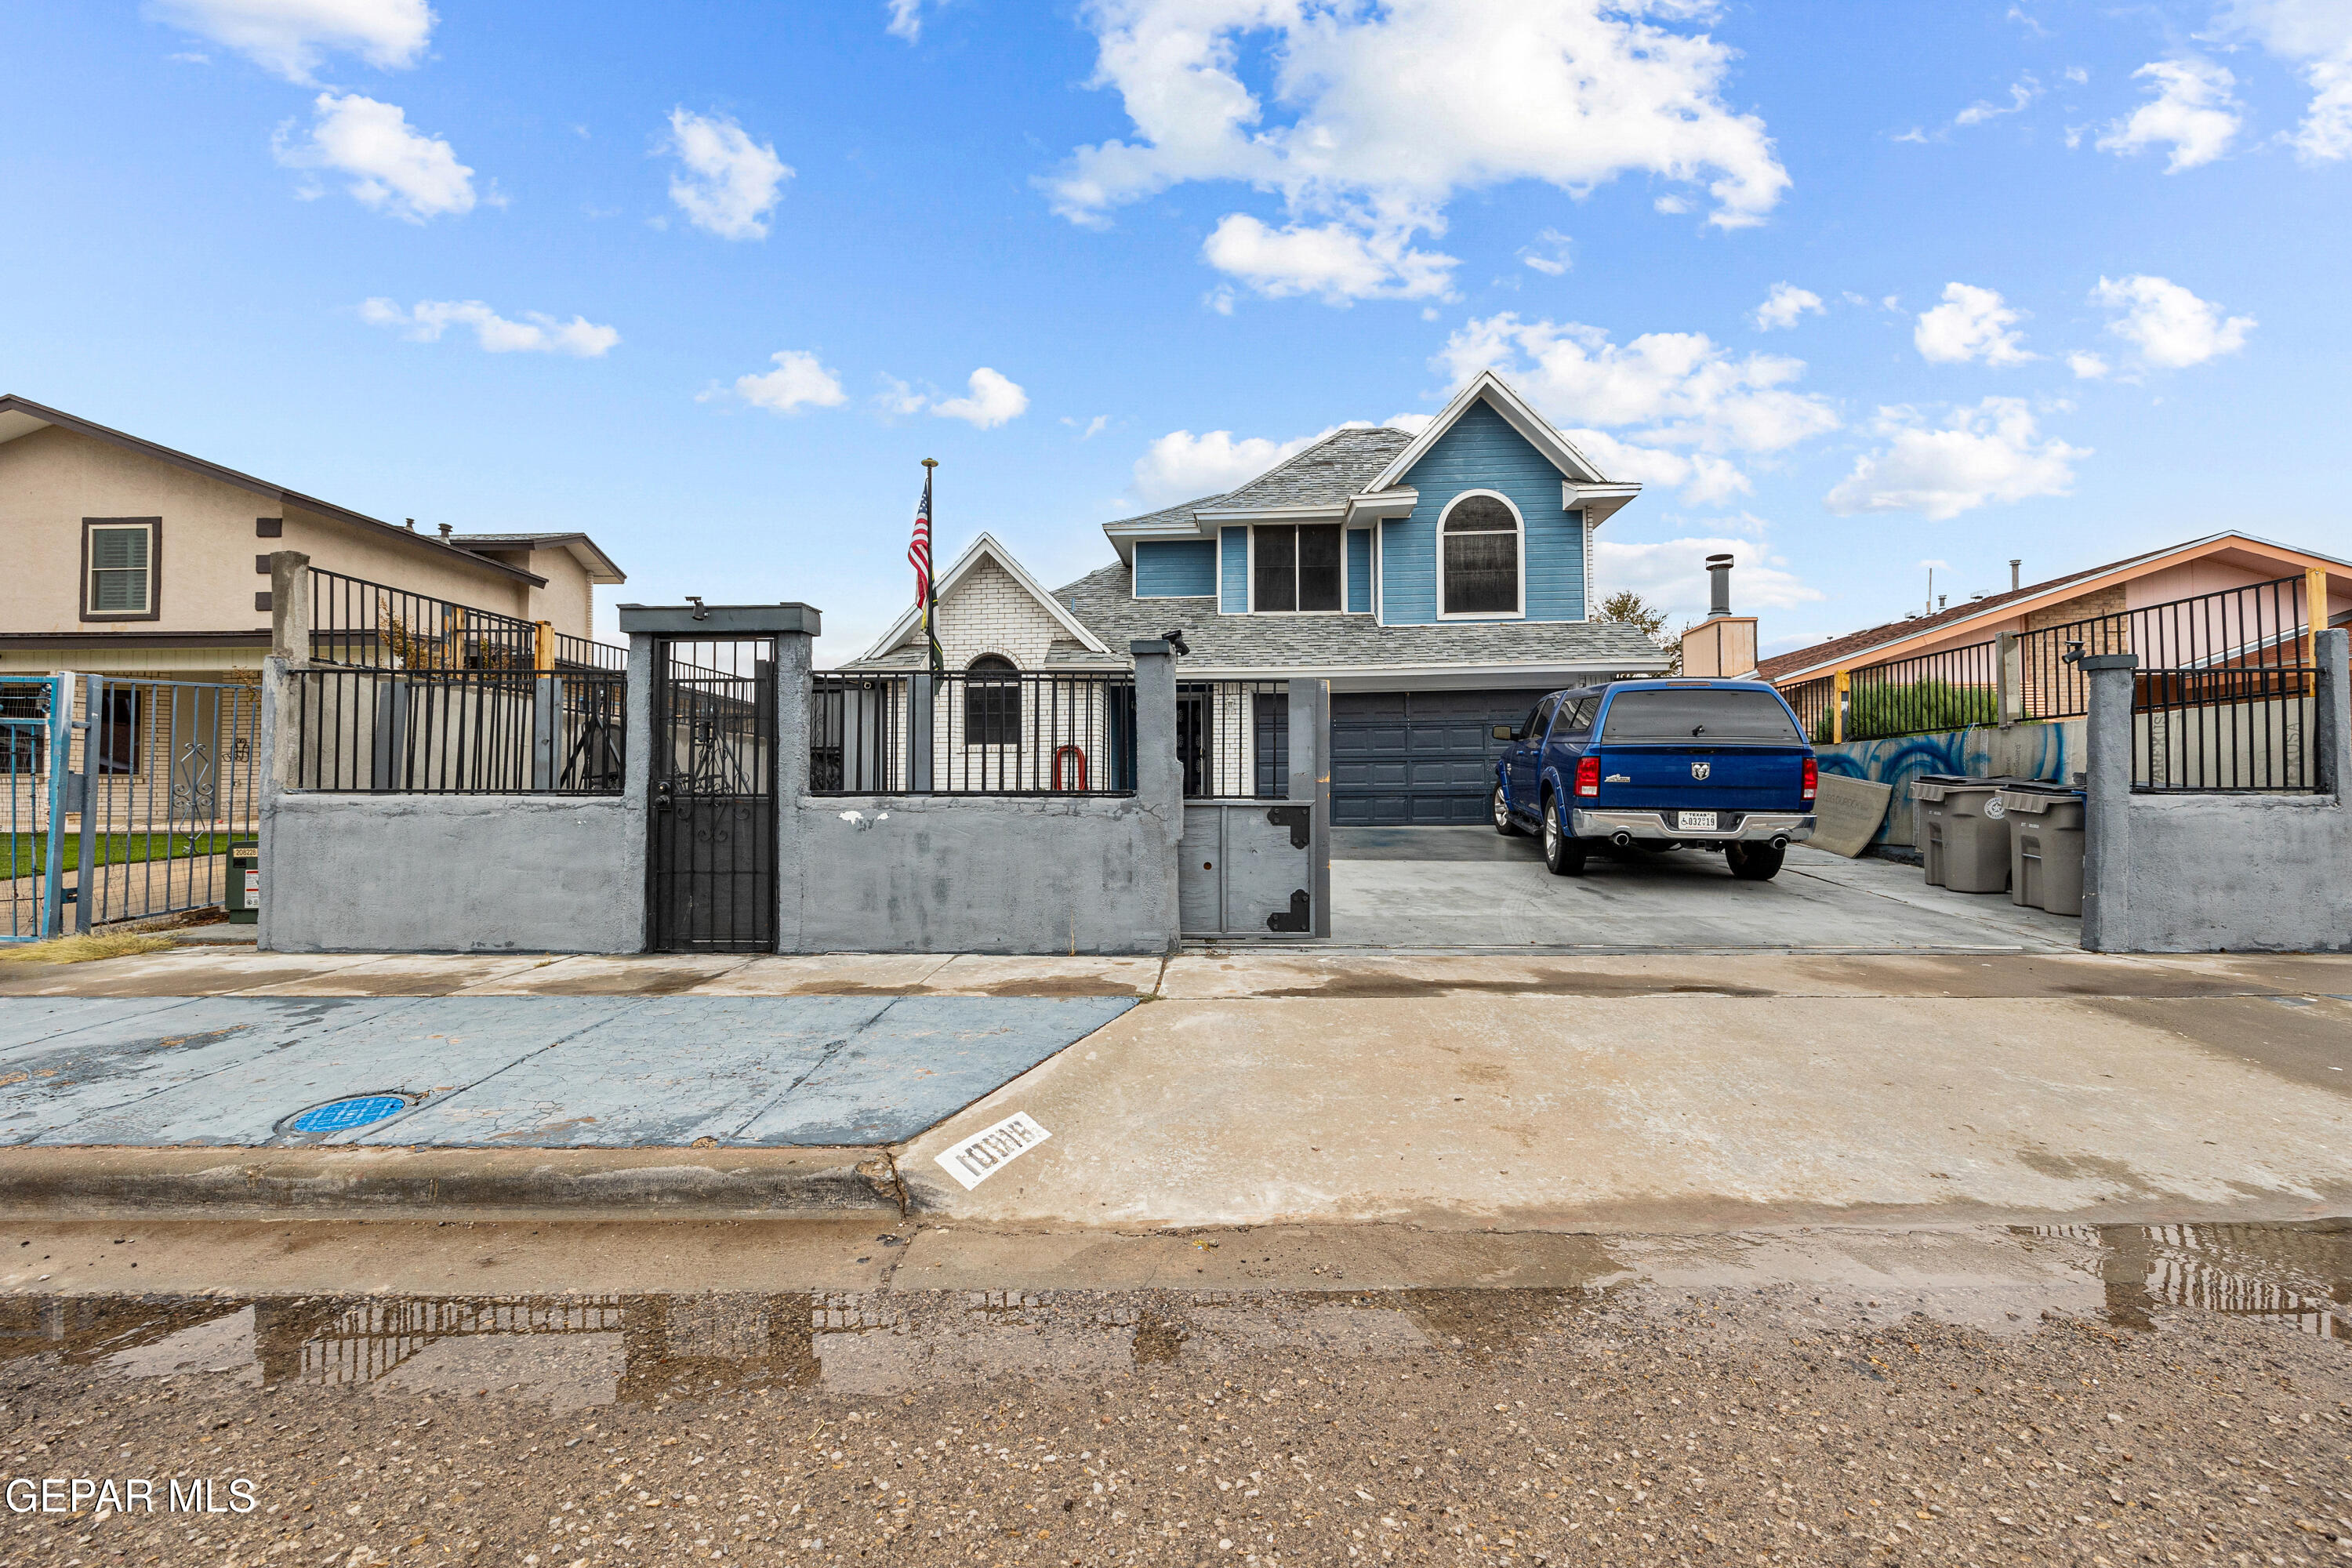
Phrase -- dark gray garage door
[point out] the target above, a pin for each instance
(1417, 759)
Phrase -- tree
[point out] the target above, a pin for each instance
(1629, 609)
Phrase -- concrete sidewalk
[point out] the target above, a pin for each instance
(1258, 1087)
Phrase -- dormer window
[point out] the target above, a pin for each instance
(1478, 557)
(1296, 568)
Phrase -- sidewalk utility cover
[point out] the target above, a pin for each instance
(520, 1071)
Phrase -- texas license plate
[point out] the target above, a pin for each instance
(1695, 821)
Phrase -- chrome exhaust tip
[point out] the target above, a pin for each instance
(1620, 839)
(1780, 841)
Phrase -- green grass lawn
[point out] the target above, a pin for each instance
(22, 854)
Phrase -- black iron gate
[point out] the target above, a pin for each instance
(710, 868)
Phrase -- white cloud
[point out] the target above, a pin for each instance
(1784, 305)
(1671, 574)
(2086, 365)
(396, 168)
(2316, 35)
(2192, 112)
(289, 36)
(2022, 91)
(535, 333)
(2170, 327)
(1376, 117)
(1180, 464)
(1550, 254)
(799, 380)
(1331, 260)
(1971, 324)
(906, 19)
(992, 400)
(729, 182)
(1992, 452)
(1663, 390)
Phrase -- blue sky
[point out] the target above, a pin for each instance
(1855, 287)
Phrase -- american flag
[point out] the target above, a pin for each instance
(918, 556)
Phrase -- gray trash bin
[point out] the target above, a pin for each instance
(2045, 853)
(1963, 832)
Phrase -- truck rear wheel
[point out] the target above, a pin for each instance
(1755, 862)
(1563, 856)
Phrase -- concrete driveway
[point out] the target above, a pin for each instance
(1468, 889)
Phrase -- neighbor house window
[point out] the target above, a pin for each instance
(119, 556)
(1297, 568)
(114, 731)
(991, 701)
(1479, 557)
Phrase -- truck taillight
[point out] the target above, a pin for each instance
(1812, 778)
(1588, 776)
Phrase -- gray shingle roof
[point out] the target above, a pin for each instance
(1181, 513)
(1103, 600)
(1338, 465)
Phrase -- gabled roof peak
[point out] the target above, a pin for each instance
(985, 547)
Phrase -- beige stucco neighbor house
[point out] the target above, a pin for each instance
(124, 557)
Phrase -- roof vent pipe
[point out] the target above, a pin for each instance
(447, 528)
(1719, 593)
(2013, 565)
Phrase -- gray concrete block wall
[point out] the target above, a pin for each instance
(2217, 873)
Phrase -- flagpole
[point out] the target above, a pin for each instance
(932, 578)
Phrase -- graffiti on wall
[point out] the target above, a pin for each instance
(2052, 752)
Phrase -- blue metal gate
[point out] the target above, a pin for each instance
(35, 743)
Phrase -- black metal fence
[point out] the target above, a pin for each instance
(405, 693)
(1816, 705)
(971, 733)
(2260, 627)
(2232, 731)
(1949, 689)
(1233, 738)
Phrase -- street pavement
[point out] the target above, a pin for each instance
(659, 1394)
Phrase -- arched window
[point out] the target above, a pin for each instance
(991, 701)
(1478, 551)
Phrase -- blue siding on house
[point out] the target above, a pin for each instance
(1359, 571)
(1482, 452)
(1233, 594)
(1175, 569)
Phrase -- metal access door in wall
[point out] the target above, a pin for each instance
(1254, 860)
(711, 863)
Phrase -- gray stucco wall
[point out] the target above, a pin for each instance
(439, 873)
(2218, 873)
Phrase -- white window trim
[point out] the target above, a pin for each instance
(1520, 614)
(1586, 515)
(1294, 559)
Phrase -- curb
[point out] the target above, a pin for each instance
(69, 1182)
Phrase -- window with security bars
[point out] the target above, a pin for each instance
(1481, 549)
(121, 580)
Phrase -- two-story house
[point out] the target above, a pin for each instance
(1441, 580)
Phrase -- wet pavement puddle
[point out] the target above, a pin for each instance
(577, 1351)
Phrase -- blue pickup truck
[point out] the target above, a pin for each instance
(1664, 764)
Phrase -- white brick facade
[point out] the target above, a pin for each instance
(989, 612)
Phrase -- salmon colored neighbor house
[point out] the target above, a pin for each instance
(2321, 588)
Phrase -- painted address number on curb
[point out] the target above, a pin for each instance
(990, 1149)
